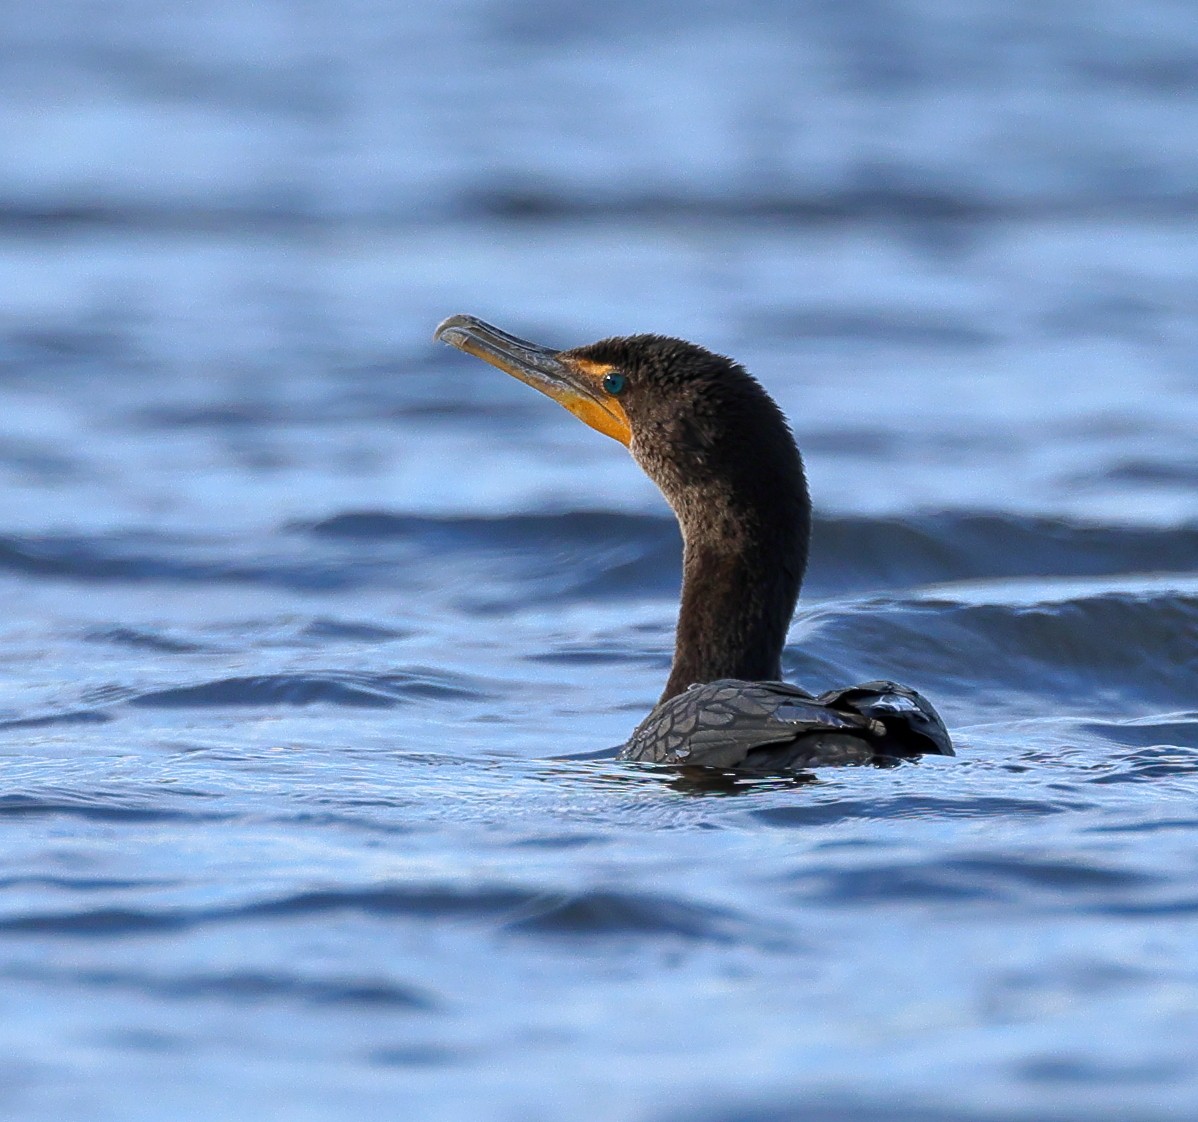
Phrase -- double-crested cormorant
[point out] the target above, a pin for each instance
(706, 432)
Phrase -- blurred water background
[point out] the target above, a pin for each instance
(299, 609)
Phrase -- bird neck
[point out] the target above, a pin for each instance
(742, 567)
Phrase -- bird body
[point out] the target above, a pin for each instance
(721, 452)
(774, 726)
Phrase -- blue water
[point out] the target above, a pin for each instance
(305, 616)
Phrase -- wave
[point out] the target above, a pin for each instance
(1032, 881)
(144, 559)
(529, 910)
(624, 554)
(371, 691)
(95, 806)
(144, 640)
(855, 553)
(513, 531)
(838, 1106)
(47, 720)
(1100, 652)
(818, 813)
(345, 689)
(931, 204)
(237, 986)
(848, 553)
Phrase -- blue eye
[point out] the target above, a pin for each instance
(614, 383)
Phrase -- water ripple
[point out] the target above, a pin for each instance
(239, 987)
(589, 913)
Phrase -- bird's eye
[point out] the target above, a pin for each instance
(614, 383)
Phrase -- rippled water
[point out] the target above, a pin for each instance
(314, 632)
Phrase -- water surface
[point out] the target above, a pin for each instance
(305, 617)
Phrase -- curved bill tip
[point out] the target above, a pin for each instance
(509, 352)
(541, 367)
(453, 328)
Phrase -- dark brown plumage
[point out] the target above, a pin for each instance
(721, 452)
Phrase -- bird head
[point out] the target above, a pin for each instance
(689, 417)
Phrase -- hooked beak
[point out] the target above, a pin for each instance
(571, 384)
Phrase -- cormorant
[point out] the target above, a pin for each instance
(719, 448)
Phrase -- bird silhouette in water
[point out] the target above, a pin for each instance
(719, 448)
